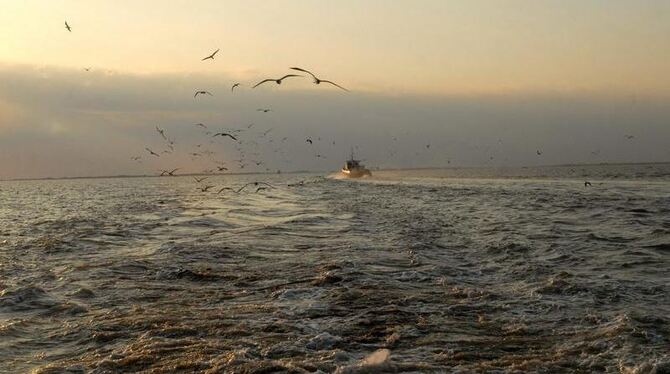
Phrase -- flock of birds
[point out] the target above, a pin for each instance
(235, 134)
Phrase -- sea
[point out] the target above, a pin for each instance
(458, 270)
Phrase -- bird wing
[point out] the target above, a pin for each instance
(335, 84)
(304, 71)
(232, 137)
(267, 184)
(196, 93)
(243, 187)
(263, 81)
(288, 76)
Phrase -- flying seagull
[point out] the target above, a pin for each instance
(68, 27)
(205, 188)
(263, 110)
(233, 87)
(309, 141)
(162, 132)
(317, 80)
(200, 180)
(168, 172)
(278, 81)
(224, 134)
(225, 188)
(202, 93)
(587, 184)
(221, 168)
(539, 153)
(200, 125)
(211, 56)
(152, 152)
(630, 137)
(254, 184)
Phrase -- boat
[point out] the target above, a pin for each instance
(354, 169)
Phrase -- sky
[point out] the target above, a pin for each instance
(432, 83)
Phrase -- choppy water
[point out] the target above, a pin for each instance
(515, 270)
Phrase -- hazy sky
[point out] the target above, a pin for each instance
(475, 79)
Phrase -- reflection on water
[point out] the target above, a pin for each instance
(427, 270)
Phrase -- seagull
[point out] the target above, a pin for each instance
(538, 152)
(136, 158)
(162, 132)
(308, 140)
(211, 56)
(233, 87)
(205, 188)
(630, 137)
(225, 188)
(170, 173)
(587, 184)
(261, 189)
(200, 180)
(87, 69)
(278, 81)
(200, 125)
(152, 152)
(317, 80)
(224, 134)
(263, 110)
(202, 93)
(253, 184)
(68, 27)
(221, 168)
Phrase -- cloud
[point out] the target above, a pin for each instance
(57, 122)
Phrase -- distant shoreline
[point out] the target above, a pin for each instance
(334, 171)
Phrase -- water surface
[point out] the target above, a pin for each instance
(508, 270)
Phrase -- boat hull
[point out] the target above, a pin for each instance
(356, 173)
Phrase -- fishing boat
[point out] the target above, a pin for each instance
(354, 169)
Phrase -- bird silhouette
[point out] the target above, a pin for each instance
(211, 56)
(224, 134)
(278, 80)
(317, 80)
(202, 93)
